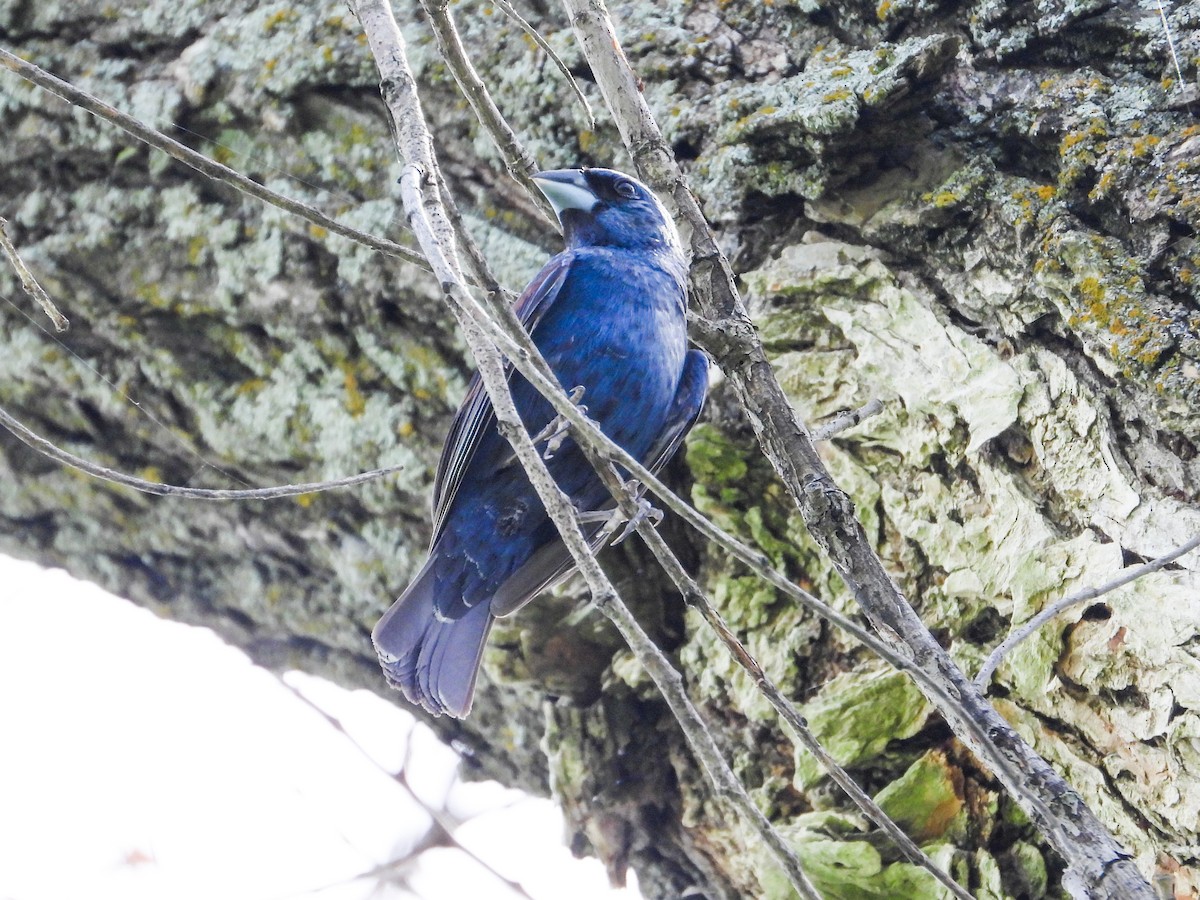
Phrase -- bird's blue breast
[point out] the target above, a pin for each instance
(617, 327)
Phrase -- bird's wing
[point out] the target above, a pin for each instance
(685, 409)
(552, 561)
(548, 564)
(476, 416)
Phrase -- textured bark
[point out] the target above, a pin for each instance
(983, 215)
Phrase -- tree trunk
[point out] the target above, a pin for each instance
(981, 214)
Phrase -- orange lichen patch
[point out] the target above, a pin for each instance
(356, 403)
(1092, 290)
(1143, 145)
(1103, 185)
(276, 19)
(1075, 137)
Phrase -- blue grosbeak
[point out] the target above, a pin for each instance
(608, 313)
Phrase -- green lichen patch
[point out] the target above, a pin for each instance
(856, 715)
(927, 800)
(847, 869)
(737, 488)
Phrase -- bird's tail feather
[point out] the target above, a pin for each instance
(433, 661)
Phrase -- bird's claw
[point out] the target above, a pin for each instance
(646, 512)
(558, 428)
(615, 518)
(554, 440)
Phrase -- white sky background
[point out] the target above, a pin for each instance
(141, 758)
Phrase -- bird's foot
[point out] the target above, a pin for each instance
(616, 518)
(556, 431)
(646, 512)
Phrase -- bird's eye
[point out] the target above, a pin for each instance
(626, 189)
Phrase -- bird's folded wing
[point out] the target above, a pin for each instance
(476, 416)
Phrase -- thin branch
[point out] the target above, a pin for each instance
(984, 678)
(28, 282)
(1097, 863)
(425, 217)
(537, 38)
(207, 167)
(520, 162)
(45, 447)
(1162, 14)
(845, 420)
(695, 597)
(481, 274)
(445, 823)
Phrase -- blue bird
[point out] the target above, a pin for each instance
(608, 313)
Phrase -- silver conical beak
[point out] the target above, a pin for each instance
(566, 189)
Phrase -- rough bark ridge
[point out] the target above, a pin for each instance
(982, 213)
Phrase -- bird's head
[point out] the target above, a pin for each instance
(603, 208)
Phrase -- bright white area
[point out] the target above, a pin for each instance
(141, 758)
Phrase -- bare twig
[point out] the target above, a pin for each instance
(43, 446)
(426, 218)
(28, 282)
(198, 161)
(1162, 14)
(695, 597)
(445, 823)
(845, 420)
(480, 273)
(1098, 865)
(984, 678)
(520, 162)
(537, 38)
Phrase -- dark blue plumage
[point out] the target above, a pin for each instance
(608, 313)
